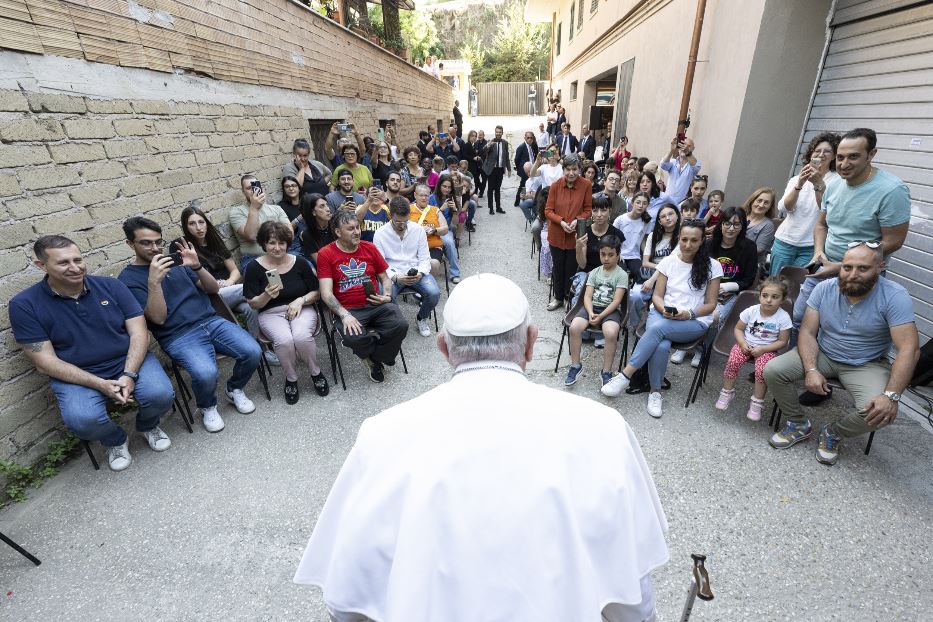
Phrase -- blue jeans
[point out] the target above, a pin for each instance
(195, 350)
(430, 294)
(655, 347)
(638, 301)
(784, 254)
(84, 410)
(577, 286)
(450, 249)
(471, 210)
(528, 209)
(244, 261)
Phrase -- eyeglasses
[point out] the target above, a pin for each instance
(701, 178)
(290, 186)
(151, 243)
(872, 245)
(732, 225)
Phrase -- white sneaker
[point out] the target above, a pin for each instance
(211, 419)
(239, 399)
(677, 357)
(697, 359)
(655, 401)
(423, 328)
(614, 387)
(119, 457)
(157, 439)
(272, 358)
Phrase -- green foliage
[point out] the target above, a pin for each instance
(21, 478)
(418, 32)
(519, 52)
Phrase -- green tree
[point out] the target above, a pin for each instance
(519, 52)
(417, 29)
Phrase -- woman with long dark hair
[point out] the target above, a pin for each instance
(648, 183)
(660, 243)
(682, 310)
(291, 205)
(317, 233)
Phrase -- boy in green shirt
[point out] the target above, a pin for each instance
(605, 289)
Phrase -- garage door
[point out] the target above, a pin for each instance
(878, 73)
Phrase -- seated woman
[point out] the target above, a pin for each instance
(682, 306)
(317, 233)
(445, 199)
(660, 243)
(291, 205)
(591, 172)
(283, 288)
(760, 209)
(634, 225)
(412, 173)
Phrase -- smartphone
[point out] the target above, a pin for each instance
(670, 310)
(256, 185)
(581, 227)
(343, 127)
(176, 259)
(548, 154)
(381, 134)
(273, 277)
(813, 267)
(681, 137)
(368, 286)
(441, 135)
(377, 183)
(412, 272)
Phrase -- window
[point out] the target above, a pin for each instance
(573, 91)
(594, 5)
(557, 38)
(580, 16)
(573, 14)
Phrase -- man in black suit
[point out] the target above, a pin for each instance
(567, 143)
(458, 118)
(587, 143)
(495, 164)
(526, 152)
(479, 157)
(561, 116)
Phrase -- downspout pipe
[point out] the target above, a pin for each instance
(682, 121)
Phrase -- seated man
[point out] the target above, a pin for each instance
(344, 193)
(369, 323)
(849, 327)
(532, 186)
(182, 318)
(245, 219)
(87, 333)
(512, 502)
(404, 245)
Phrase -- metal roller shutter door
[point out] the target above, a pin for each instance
(878, 73)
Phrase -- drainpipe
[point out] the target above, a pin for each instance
(682, 121)
(550, 78)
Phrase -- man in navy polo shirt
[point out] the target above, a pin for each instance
(87, 333)
(182, 318)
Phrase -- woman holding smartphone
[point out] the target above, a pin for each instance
(283, 289)
(793, 241)
(411, 172)
(382, 164)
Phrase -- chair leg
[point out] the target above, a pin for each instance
(693, 383)
(336, 366)
(436, 329)
(262, 378)
(871, 437)
(623, 360)
(20, 550)
(446, 278)
(560, 348)
(777, 419)
(404, 364)
(90, 454)
(774, 410)
(186, 418)
(185, 397)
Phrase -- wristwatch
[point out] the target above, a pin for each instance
(818, 188)
(894, 397)
(132, 375)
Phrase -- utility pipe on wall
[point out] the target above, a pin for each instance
(691, 67)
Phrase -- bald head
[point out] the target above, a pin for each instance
(861, 267)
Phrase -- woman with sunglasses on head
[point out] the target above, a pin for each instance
(648, 183)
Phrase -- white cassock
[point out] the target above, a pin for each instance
(490, 499)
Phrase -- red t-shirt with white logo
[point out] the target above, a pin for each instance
(349, 270)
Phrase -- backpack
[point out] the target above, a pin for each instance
(640, 384)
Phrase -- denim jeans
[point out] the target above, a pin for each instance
(528, 209)
(430, 294)
(655, 347)
(233, 296)
(638, 301)
(577, 286)
(84, 410)
(450, 249)
(471, 211)
(196, 349)
(784, 254)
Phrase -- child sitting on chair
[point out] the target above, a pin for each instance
(761, 331)
(605, 289)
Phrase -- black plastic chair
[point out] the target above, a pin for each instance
(20, 549)
(333, 336)
(623, 330)
(405, 292)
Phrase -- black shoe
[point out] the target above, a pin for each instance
(491, 213)
(376, 372)
(291, 392)
(751, 377)
(390, 364)
(499, 210)
(471, 228)
(812, 399)
(320, 384)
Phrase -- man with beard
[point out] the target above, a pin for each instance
(495, 165)
(344, 193)
(850, 325)
(393, 185)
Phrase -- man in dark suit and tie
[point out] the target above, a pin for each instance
(567, 143)
(526, 152)
(587, 143)
(496, 164)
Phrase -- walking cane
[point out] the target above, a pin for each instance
(699, 586)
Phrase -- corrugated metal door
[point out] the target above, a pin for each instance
(878, 73)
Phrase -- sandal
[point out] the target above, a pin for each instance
(291, 391)
(320, 384)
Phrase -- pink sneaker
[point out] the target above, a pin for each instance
(754, 409)
(725, 398)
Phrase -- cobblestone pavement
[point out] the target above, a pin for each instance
(213, 528)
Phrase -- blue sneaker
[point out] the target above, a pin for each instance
(827, 451)
(792, 434)
(606, 376)
(572, 374)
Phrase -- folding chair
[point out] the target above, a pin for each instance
(333, 336)
(623, 330)
(405, 292)
(224, 311)
(686, 347)
(20, 549)
(443, 261)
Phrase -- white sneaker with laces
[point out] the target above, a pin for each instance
(677, 357)
(119, 457)
(614, 387)
(697, 359)
(272, 358)
(211, 419)
(239, 399)
(423, 328)
(157, 439)
(655, 402)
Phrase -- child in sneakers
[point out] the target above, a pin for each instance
(605, 289)
(761, 331)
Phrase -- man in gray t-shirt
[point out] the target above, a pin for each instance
(850, 325)
(245, 219)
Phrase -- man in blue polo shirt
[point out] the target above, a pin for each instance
(681, 166)
(182, 318)
(88, 335)
(850, 325)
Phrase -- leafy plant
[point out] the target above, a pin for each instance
(20, 479)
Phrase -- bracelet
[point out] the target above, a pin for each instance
(812, 369)
(200, 267)
(797, 189)
(693, 314)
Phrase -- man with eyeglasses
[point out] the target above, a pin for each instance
(181, 317)
(850, 325)
(681, 167)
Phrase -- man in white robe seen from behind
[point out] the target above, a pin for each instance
(490, 498)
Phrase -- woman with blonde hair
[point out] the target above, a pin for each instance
(760, 207)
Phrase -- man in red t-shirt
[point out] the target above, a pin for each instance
(372, 326)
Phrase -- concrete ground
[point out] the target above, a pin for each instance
(213, 528)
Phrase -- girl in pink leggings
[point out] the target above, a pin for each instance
(762, 330)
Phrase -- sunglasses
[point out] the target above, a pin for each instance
(872, 245)
(701, 178)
